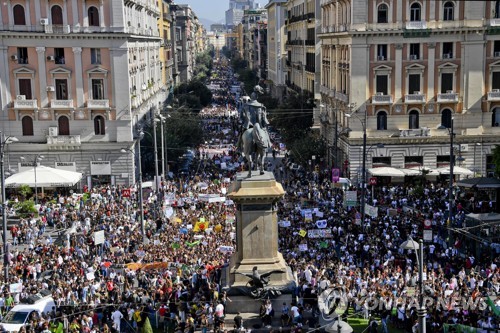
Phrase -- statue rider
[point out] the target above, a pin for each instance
(254, 115)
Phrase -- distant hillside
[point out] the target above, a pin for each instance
(207, 22)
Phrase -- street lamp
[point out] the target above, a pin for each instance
(452, 161)
(410, 244)
(37, 158)
(164, 164)
(138, 154)
(363, 168)
(153, 119)
(4, 141)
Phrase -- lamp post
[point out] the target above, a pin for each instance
(138, 154)
(363, 167)
(153, 119)
(410, 244)
(452, 162)
(4, 141)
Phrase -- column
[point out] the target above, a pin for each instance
(5, 96)
(77, 51)
(74, 14)
(10, 15)
(42, 76)
(65, 13)
(399, 11)
(38, 14)
(431, 51)
(84, 15)
(28, 12)
(47, 11)
(101, 15)
(432, 5)
(398, 71)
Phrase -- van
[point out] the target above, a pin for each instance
(20, 314)
(343, 183)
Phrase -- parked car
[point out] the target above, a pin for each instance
(22, 313)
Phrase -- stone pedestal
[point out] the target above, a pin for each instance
(257, 230)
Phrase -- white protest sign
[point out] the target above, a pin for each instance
(90, 276)
(99, 237)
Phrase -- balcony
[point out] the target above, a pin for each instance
(57, 29)
(424, 131)
(98, 103)
(63, 141)
(61, 103)
(495, 22)
(494, 95)
(381, 99)
(415, 98)
(24, 104)
(450, 97)
(416, 25)
(310, 42)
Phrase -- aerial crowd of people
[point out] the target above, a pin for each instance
(169, 274)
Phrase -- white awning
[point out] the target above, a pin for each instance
(45, 177)
(386, 172)
(456, 171)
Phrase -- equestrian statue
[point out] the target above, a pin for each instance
(254, 139)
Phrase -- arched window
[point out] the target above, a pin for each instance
(27, 123)
(99, 125)
(19, 17)
(56, 15)
(495, 117)
(93, 15)
(496, 14)
(382, 120)
(383, 13)
(448, 11)
(413, 120)
(446, 118)
(63, 124)
(415, 12)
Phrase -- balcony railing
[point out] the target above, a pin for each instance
(495, 22)
(416, 25)
(415, 99)
(57, 29)
(310, 42)
(424, 131)
(98, 103)
(64, 140)
(61, 103)
(25, 104)
(381, 99)
(447, 98)
(494, 96)
(310, 69)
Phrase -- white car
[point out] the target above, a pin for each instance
(21, 314)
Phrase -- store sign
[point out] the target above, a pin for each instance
(24, 166)
(68, 166)
(99, 168)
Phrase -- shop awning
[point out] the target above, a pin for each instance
(43, 176)
(386, 172)
(456, 171)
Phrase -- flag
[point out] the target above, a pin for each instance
(200, 226)
(302, 233)
(193, 243)
(323, 245)
(492, 306)
(176, 245)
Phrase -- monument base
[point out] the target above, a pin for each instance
(245, 304)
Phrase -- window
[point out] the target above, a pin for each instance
(22, 55)
(495, 117)
(382, 82)
(414, 84)
(59, 56)
(56, 15)
(448, 11)
(447, 50)
(381, 161)
(99, 128)
(25, 88)
(27, 124)
(381, 52)
(414, 51)
(63, 125)
(446, 83)
(93, 15)
(382, 13)
(496, 48)
(97, 89)
(446, 118)
(413, 120)
(415, 12)
(382, 120)
(496, 13)
(19, 17)
(61, 89)
(413, 161)
(495, 80)
(95, 56)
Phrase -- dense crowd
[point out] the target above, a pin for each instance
(171, 276)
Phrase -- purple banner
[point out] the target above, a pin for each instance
(335, 175)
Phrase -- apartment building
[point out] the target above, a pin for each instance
(254, 25)
(187, 27)
(77, 77)
(413, 72)
(276, 55)
(165, 27)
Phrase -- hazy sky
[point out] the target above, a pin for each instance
(213, 10)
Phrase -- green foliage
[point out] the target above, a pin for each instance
(294, 118)
(204, 63)
(25, 208)
(270, 102)
(496, 159)
(194, 94)
(25, 191)
(305, 147)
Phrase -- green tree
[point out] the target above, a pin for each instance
(25, 208)
(305, 147)
(294, 118)
(194, 94)
(496, 159)
(25, 191)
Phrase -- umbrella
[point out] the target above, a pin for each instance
(430, 172)
(45, 177)
(334, 327)
(386, 171)
(456, 170)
